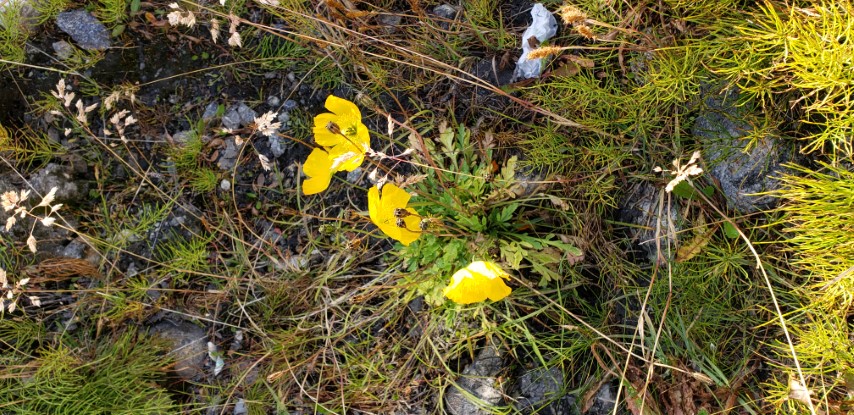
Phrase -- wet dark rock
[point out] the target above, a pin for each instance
(84, 29)
(722, 128)
(641, 206)
(541, 391)
(188, 347)
(63, 49)
(237, 116)
(477, 380)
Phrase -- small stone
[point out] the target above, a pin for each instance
(273, 101)
(84, 29)
(240, 407)
(479, 380)
(237, 116)
(290, 105)
(446, 11)
(227, 155)
(225, 185)
(355, 175)
(278, 145)
(189, 347)
(63, 49)
(641, 207)
(210, 111)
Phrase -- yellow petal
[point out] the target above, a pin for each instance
(345, 157)
(322, 135)
(381, 211)
(374, 205)
(318, 167)
(394, 197)
(342, 108)
(477, 282)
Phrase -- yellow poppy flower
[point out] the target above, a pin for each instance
(342, 133)
(389, 212)
(318, 167)
(477, 282)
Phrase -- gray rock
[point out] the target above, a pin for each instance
(604, 401)
(478, 381)
(722, 129)
(54, 175)
(355, 175)
(63, 49)
(290, 105)
(541, 391)
(85, 29)
(446, 11)
(189, 346)
(210, 111)
(273, 101)
(228, 155)
(641, 207)
(237, 116)
(278, 145)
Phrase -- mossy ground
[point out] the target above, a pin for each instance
(748, 314)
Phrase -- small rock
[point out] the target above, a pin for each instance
(225, 185)
(183, 137)
(210, 111)
(603, 401)
(278, 145)
(478, 380)
(721, 127)
(273, 101)
(63, 49)
(390, 22)
(284, 118)
(541, 391)
(54, 175)
(446, 11)
(189, 346)
(237, 116)
(641, 207)
(227, 155)
(85, 29)
(290, 105)
(355, 175)
(240, 407)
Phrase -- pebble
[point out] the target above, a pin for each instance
(84, 29)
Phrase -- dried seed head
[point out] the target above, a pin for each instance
(571, 14)
(400, 223)
(401, 213)
(333, 128)
(544, 52)
(585, 31)
(424, 224)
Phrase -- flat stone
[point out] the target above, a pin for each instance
(84, 29)
(189, 346)
(63, 49)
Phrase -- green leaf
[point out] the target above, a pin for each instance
(730, 231)
(134, 6)
(684, 190)
(118, 30)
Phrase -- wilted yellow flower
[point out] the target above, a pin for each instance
(477, 282)
(342, 133)
(389, 212)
